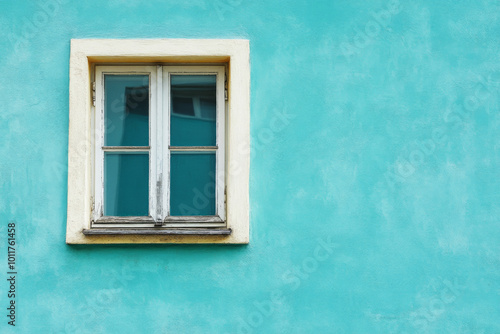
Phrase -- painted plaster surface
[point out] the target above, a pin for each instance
(374, 181)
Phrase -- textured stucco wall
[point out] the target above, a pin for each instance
(374, 203)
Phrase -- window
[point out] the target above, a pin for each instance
(159, 153)
(158, 141)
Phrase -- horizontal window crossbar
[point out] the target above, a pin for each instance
(126, 148)
(156, 231)
(193, 148)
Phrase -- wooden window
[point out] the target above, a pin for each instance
(159, 147)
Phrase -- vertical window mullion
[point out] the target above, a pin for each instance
(158, 186)
(166, 141)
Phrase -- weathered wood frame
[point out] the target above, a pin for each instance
(87, 53)
(99, 134)
(219, 149)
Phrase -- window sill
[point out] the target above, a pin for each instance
(156, 231)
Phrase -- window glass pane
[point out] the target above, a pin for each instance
(192, 184)
(192, 116)
(126, 184)
(126, 113)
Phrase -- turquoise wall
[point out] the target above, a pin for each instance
(374, 183)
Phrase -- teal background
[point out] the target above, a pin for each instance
(385, 146)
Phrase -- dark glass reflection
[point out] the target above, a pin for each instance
(193, 112)
(126, 188)
(192, 184)
(126, 113)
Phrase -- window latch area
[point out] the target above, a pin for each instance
(93, 93)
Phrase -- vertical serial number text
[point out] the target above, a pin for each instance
(11, 272)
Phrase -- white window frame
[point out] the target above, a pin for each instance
(99, 134)
(159, 148)
(219, 71)
(85, 135)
